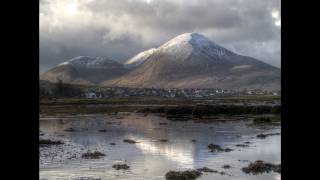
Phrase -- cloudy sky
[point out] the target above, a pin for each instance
(118, 29)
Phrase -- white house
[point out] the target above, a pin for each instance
(91, 95)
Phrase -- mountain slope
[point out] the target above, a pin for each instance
(139, 58)
(191, 60)
(85, 70)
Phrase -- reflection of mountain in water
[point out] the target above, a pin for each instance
(180, 153)
(179, 148)
(149, 157)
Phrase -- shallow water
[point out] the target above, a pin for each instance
(149, 158)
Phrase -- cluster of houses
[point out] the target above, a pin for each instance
(110, 92)
(259, 92)
(98, 92)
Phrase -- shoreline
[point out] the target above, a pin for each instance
(162, 105)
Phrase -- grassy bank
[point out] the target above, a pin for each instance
(156, 100)
(226, 105)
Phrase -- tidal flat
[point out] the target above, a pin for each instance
(130, 145)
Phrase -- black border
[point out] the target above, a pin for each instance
(20, 86)
(20, 74)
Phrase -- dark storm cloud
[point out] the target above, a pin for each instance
(119, 29)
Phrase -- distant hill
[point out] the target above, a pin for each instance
(193, 61)
(85, 70)
(189, 60)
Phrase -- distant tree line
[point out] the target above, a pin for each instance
(43, 91)
(66, 90)
(62, 90)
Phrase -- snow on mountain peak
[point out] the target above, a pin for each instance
(182, 39)
(181, 47)
(203, 44)
(140, 58)
(85, 62)
(185, 44)
(195, 39)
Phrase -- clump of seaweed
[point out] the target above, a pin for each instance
(183, 175)
(259, 167)
(129, 141)
(92, 155)
(120, 166)
(48, 142)
(217, 148)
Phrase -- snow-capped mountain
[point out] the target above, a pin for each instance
(139, 58)
(87, 62)
(182, 46)
(85, 70)
(191, 60)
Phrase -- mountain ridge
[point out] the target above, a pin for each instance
(192, 61)
(84, 70)
(189, 60)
